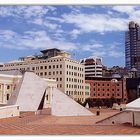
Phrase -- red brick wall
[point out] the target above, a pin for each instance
(106, 89)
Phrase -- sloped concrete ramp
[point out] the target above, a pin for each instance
(62, 105)
(30, 93)
(118, 118)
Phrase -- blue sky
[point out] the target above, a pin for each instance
(84, 31)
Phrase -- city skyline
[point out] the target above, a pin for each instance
(94, 30)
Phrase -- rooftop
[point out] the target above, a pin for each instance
(11, 72)
(46, 50)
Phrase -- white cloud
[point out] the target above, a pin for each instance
(108, 50)
(124, 9)
(92, 47)
(96, 22)
(32, 40)
(25, 11)
(42, 22)
(74, 33)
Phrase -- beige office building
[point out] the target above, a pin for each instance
(69, 74)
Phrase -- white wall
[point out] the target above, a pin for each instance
(9, 111)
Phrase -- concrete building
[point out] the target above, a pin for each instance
(57, 65)
(93, 66)
(105, 88)
(132, 47)
(8, 82)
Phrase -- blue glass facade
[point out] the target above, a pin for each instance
(132, 47)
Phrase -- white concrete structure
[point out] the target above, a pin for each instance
(62, 105)
(134, 105)
(9, 111)
(130, 115)
(8, 82)
(33, 93)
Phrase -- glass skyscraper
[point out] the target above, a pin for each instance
(132, 47)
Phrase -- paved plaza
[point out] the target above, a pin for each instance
(45, 124)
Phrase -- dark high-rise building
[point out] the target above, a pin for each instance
(132, 47)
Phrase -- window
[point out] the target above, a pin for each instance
(60, 79)
(56, 72)
(47, 97)
(49, 73)
(49, 66)
(8, 87)
(45, 73)
(45, 67)
(41, 74)
(41, 67)
(53, 66)
(7, 96)
(60, 85)
(53, 72)
(33, 68)
(60, 72)
(60, 66)
(56, 66)
(56, 79)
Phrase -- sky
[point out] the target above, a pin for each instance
(83, 31)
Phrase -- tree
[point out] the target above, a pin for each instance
(78, 101)
(113, 100)
(99, 102)
(107, 103)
